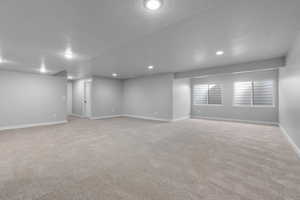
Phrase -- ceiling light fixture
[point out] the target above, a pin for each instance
(1, 60)
(69, 54)
(43, 69)
(114, 75)
(153, 4)
(150, 67)
(219, 53)
(70, 77)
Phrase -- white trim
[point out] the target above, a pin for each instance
(140, 117)
(290, 140)
(208, 104)
(147, 118)
(254, 106)
(105, 117)
(181, 118)
(236, 120)
(252, 66)
(256, 70)
(76, 115)
(32, 125)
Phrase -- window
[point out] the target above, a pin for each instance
(204, 94)
(243, 93)
(253, 93)
(263, 93)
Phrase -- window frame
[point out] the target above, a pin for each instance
(207, 104)
(252, 96)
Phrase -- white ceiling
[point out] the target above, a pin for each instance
(119, 36)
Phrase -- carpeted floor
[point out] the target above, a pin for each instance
(133, 159)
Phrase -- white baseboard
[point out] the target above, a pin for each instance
(105, 117)
(293, 144)
(181, 118)
(32, 125)
(76, 115)
(140, 117)
(236, 120)
(147, 118)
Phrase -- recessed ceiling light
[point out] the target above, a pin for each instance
(43, 70)
(69, 54)
(43, 67)
(114, 75)
(70, 77)
(1, 60)
(150, 67)
(219, 53)
(153, 4)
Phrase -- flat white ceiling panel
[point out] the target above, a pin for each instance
(123, 37)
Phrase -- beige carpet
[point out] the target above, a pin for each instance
(132, 159)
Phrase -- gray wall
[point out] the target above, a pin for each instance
(289, 98)
(149, 97)
(77, 95)
(181, 98)
(107, 96)
(227, 110)
(31, 99)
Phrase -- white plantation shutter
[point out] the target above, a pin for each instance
(207, 94)
(200, 94)
(243, 93)
(253, 93)
(214, 94)
(263, 93)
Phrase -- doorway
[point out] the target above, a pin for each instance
(86, 102)
(81, 98)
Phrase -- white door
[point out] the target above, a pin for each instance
(87, 98)
(69, 97)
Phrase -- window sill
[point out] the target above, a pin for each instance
(254, 106)
(208, 105)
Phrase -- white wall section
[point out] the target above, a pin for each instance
(31, 99)
(289, 98)
(107, 97)
(149, 97)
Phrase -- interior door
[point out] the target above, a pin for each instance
(87, 98)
